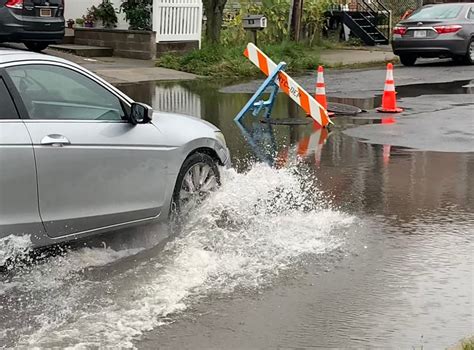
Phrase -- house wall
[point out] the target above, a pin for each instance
(77, 8)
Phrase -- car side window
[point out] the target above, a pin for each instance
(53, 92)
(7, 107)
(470, 15)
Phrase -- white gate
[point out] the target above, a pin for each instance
(177, 20)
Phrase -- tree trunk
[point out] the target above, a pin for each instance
(214, 13)
(296, 13)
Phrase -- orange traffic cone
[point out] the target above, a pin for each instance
(321, 91)
(389, 99)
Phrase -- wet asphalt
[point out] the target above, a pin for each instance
(360, 236)
(405, 277)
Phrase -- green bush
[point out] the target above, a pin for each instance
(229, 62)
(138, 13)
(105, 12)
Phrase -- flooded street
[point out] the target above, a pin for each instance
(360, 236)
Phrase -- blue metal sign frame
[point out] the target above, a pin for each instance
(256, 104)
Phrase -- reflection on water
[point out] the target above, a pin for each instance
(166, 97)
(418, 208)
(360, 176)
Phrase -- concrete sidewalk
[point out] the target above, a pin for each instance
(348, 57)
(117, 70)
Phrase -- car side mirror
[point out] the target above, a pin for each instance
(140, 113)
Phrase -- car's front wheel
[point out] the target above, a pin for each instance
(199, 176)
(36, 46)
(408, 60)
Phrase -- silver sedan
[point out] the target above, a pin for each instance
(443, 30)
(79, 158)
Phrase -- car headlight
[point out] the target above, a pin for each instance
(221, 138)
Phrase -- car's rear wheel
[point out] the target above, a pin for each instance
(408, 59)
(36, 46)
(469, 58)
(198, 178)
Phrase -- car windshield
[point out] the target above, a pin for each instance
(437, 12)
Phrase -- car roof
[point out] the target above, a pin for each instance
(13, 55)
(450, 4)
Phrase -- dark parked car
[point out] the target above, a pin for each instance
(36, 23)
(444, 30)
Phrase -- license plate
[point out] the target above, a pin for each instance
(420, 34)
(45, 12)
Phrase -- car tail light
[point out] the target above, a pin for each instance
(448, 29)
(399, 30)
(14, 4)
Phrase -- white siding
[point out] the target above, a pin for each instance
(77, 8)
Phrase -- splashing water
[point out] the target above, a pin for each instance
(12, 247)
(256, 226)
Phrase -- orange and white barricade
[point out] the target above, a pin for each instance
(278, 78)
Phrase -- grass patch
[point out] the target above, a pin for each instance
(229, 62)
(468, 344)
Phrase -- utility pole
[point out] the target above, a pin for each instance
(296, 13)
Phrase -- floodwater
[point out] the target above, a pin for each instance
(316, 239)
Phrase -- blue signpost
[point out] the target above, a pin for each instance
(256, 104)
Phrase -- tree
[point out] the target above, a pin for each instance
(296, 14)
(214, 10)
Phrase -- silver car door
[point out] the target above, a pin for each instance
(19, 212)
(95, 170)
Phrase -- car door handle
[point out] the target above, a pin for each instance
(55, 140)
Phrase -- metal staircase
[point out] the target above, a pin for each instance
(371, 22)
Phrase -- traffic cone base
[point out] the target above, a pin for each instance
(387, 110)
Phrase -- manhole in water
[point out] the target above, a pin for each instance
(343, 109)
(287, 121)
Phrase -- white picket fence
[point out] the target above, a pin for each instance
(177, 20)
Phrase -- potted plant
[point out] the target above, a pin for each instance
(70, 23)
(107, 14)
(79, 22)
(137, 13)
(89, 18)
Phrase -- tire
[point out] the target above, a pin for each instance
(469, 58)
(408, 60)
(198, 170)
(36, 46)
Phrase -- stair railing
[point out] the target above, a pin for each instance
(380, 13)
